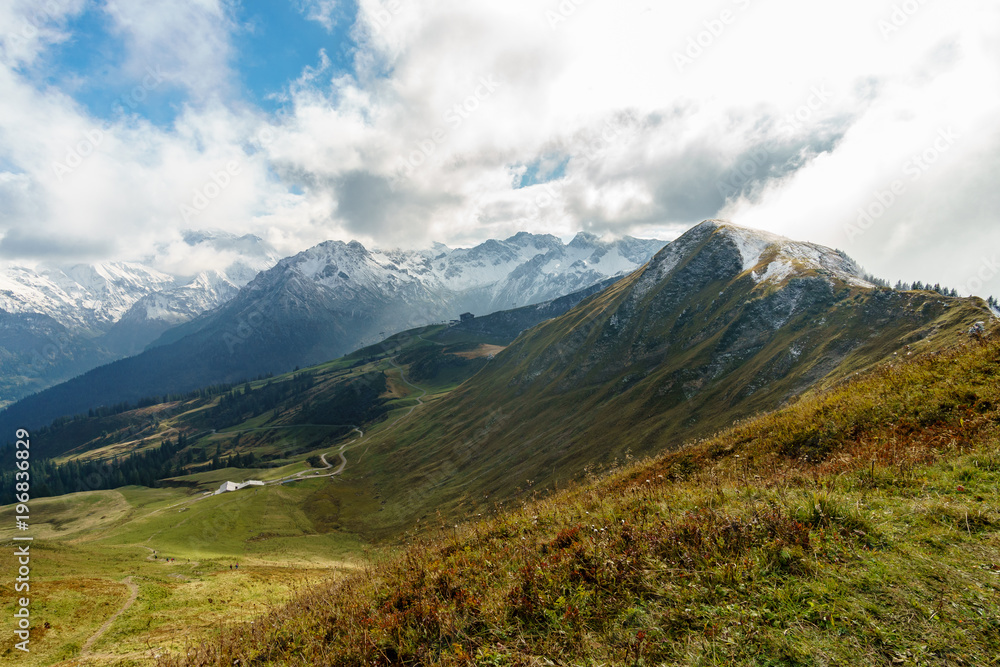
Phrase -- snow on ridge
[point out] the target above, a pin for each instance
(510, 272)
(493, 275)
(789, 256)
(751, 243)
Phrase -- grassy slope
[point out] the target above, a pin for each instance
(282, 537)
(858, 526)
(532, 417)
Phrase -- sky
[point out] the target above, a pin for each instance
(872, 126)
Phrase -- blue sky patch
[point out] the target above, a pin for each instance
(279, 42)
(273, 45)
(543, 170)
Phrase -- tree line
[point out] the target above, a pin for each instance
(145, 468)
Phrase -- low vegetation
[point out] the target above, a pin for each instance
(858, 525)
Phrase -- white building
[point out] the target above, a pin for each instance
(236, 486)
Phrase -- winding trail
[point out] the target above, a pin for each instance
(421, 337)
(312, 473)
(133, 596)
(304, 474)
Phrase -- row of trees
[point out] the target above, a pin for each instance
(144, 468)
(919, 286)
(119, 408)
(141, 468)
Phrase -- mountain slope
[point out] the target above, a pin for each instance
(389, 291)
(37, 351)
(243, 258)
(128, 379)
(721, 324)
(115, 309)
(880, 547)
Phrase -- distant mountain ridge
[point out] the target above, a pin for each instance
(365, 294)
(335, 298)
(85, 297)
(81, 316)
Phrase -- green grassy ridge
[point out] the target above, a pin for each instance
(858, 526)
(580, 390)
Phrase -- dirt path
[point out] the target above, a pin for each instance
(304, 474)
(343, 458)
(402, 376)
(151, 557)
(133, 595)
(421, 337)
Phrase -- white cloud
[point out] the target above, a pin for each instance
(187, 41)
(27, 27)
(788, 116)
(321, 11)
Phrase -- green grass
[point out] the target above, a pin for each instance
(86, 543)
(860, 525)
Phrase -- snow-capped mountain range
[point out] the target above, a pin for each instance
(82, 297)
(90, 299)
(751, 303)
(495, 275)
(344, 294)
(60, 321)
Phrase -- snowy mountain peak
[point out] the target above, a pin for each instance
(773, 259)
(93, 299)
(88, 297)
(584, 239)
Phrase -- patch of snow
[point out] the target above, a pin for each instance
(777, 271)
(751, 243)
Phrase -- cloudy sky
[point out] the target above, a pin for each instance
(867, 125)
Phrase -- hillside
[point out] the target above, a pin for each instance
(723, 323)
(295, 530)
(857, 526)
(36, 350)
